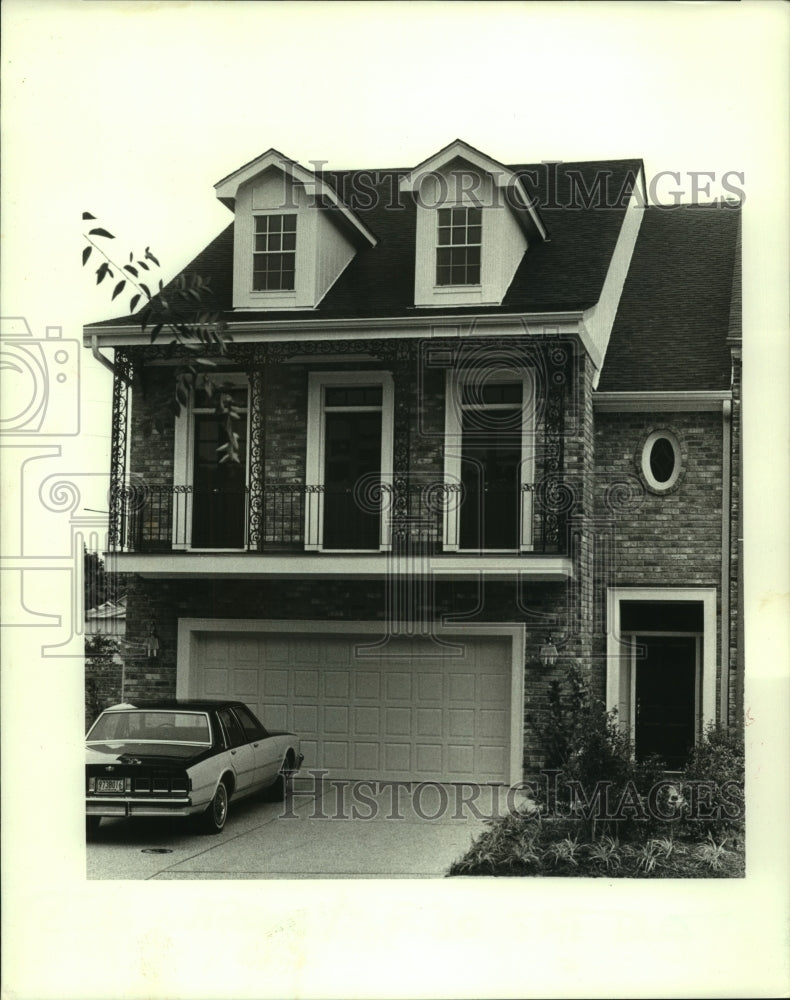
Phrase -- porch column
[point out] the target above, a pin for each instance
(119, 489)
(257, 446)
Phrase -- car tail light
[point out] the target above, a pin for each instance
(91, 784)
(127, 784)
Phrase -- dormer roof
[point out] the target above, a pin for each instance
(322, 195)
(504, 178)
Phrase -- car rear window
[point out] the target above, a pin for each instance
(151, 725)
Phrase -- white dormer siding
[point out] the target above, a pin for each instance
(321, 255)
(503, 242)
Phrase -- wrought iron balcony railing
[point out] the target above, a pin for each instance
(370, 517)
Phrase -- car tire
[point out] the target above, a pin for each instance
(91, 825)
(276, 792)
(215, 816)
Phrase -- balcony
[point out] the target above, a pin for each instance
(292, 529)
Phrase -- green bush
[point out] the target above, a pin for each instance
(593, 754)
(716, 767)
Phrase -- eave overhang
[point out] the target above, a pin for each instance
(364, 328)
(325, 566)
(637, 402)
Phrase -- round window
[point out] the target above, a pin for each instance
(661, 460)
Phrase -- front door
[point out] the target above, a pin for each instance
(665, 697)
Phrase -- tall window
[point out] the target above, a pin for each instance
(219, 491)
(349, 457)
(489, 454)
(458, 251)
(274, 258)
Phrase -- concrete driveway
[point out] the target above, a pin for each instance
(336, 830)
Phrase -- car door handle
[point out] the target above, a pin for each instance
(233, 753)
(255, 745)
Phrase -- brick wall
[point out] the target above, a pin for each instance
(646, 539)
(164, 602)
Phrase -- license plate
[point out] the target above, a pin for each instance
(109, 784)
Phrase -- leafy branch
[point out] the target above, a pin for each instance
(179, 311)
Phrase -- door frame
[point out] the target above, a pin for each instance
(455, 381)
(621, 679)
(316, 441)
(190, 628)
(184, 466)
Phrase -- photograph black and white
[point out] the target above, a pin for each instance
(394, 519)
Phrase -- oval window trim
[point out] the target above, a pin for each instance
(652, 459)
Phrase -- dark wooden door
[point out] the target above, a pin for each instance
(219, 500)
(665, 698)
(352, 460)
(490, 476)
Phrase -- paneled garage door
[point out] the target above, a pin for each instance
(409, 712)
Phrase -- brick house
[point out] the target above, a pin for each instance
(489, 428)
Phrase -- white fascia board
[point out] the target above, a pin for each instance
(636, 402)
(320, 565)
(457, 149)
(227, 189)
(502, 176)
(600, 318)
(250, 331)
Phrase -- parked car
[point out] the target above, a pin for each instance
(183, 758)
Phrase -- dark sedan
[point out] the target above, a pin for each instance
(183, 758)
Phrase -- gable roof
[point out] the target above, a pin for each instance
(322, 193)
(564, 274)
(503, 177)
(671, 328)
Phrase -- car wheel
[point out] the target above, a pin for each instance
(91, 825)
(276, 792)
(217, 813)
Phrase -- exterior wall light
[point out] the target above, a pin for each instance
(548, 653)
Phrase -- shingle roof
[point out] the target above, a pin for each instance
(678, 304)
(565, 273)
(671, 327)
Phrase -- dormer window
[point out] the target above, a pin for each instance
(460, 234)
(274, 256)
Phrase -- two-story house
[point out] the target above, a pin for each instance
(488, 425)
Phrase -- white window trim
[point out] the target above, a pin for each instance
(620, 650)
(647, 473)
(455, 381)
(318, 382)
(275, 295)
(452, 289)
(184, 461)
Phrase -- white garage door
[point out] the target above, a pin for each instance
(408, 713)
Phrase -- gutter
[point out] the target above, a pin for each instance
(336, 327)
(106, 361)
(692, 400)
(726, 515)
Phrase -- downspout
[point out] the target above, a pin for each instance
(105, 361)
(726, 515)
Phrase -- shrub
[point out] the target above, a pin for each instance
(586, 744)
(716, 767)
